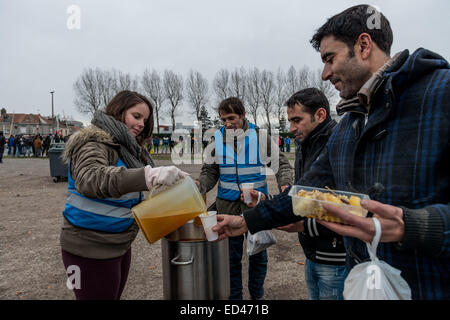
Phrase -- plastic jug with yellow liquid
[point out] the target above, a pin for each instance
(168, 210)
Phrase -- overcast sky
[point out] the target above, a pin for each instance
(39, 53)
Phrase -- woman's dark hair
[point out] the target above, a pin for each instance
(349, 24)
(231, 105)
(311, 99)
(125, 100)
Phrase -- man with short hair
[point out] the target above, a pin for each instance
(308, 113)
(392, 144)
(237, 153)
(310, 121)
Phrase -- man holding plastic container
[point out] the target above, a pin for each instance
(239, 160)
(392, 144)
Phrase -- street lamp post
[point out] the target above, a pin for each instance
(53, 129)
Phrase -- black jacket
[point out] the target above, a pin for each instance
(320, 244)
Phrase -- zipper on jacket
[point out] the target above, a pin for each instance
(334, 242)
(236, 164)
(358, 133)
(353, 255)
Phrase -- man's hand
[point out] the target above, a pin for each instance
(197, 183)
(298, 226)
(229, 226)
(283, 187)
(390, 217)
(254, 195)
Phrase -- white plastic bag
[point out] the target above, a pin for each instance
(375, 280)
(259, 241)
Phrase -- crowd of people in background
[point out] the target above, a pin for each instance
(24, 145)
(284, 143)
(161, 145)
(164, 145)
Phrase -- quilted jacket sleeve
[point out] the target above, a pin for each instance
(96, 177)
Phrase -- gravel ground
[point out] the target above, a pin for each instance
(30, 256)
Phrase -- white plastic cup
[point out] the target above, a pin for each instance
(246, 189)
(208, 221)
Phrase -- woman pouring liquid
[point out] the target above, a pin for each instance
(108, 170)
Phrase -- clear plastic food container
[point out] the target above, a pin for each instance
(309, 202)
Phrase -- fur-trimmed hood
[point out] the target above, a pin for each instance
(81, 137)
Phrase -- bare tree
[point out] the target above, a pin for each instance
(107, 85)
(303, 78)
(221, 85)
(124, 81)
(253, 95)
(197, 91)
(291, 81)
(297, 80)
(87, 95)
(95, 87)
(153, 87)
(280, 94)
(237, 83)
(173, 88)
(267, 90)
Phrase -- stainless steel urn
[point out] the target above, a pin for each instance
(194, 268)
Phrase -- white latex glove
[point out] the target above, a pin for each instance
(163, 176)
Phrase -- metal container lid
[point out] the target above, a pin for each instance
(190, 231)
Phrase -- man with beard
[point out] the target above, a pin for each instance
(392, 144)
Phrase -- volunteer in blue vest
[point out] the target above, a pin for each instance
(231, 169)
(108, 170)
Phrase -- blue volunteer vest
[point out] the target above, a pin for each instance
(110, 214)
(243, 167)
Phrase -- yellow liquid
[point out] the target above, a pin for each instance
(156, 227)
(167, 211)
(198, 221)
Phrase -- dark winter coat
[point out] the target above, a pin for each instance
(404, 147)
(319, 244)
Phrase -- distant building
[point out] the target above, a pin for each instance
(181, 126)
(31, 124)
(163, 129)
(68, 127)
(167, 129)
